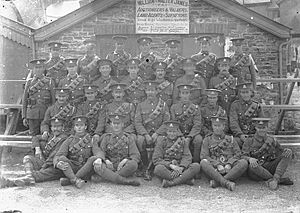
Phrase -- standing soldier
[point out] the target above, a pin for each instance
(135, 85)
(146, 57)
(189, 117)
(38, 96)
(87, 65)
(243, 66)
(205, 60)
(224, 82)
(172, 158)
(39, 167)
(61, 109)
(190, 77)
(105, 68)
(220, 156)
(242, 111)
(119, 56)
(173, 61)
(74, 157)
(91, 108)
(55, 66)
(117, 154)
(149, 118)
(165, 87)
(117, 106)
(211, 109)
(267, 159)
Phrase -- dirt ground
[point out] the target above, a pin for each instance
(149, 197)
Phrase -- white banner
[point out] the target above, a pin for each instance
(162, 16)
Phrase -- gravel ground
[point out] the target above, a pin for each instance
(150, 197)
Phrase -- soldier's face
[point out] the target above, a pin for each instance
(205, 46)
(223, 67)
(90, 49)
(80, 127)
(185, 95)
(133, 71)
(189, 68)
(117, 126)
(160, 73)
(105, 70)
(118, 95)
(218, 127)
(172, 134)
(72, 70)
(90, 95)
(237, 48)
(56, 128)
(38, 71)
(61, 98)
(119, 46)
(212, 100)
(245, 94)
(55, 52)
(261, 130)
(172, 50)
(151, 92)
(145, 48)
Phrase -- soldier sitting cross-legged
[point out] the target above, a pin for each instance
(172, 158)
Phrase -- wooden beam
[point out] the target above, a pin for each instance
(23, 144)
(276, 80)
(15, 138)
(11, 106)
(283, 107)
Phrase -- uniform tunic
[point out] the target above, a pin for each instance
(56, 69)
(78, 92)
(135, 92)
(165, 91)
(119, 59)
(104, 91)
(88, 67)
(146, 71)
(173, 69)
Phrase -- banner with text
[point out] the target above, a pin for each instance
(162, 16)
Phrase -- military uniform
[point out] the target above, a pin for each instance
(189, 117)
(55, 66)
(220, 155)
(119, 58)
(173, 60)
(171, 152)
(117, 147)
(205, 60)
(272, 159)
(38, 96)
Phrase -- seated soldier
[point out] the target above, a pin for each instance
(209, 109)
(267, 159)
(117, 106)
(165, 88)
(61, 109)
(74, 157)
(172, 158)
(220, 156)
(242, 111)
(39, 167)
(117, 154)
(189, 117)
(149, 118)
(135, 85)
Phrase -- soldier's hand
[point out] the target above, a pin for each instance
(97, 164)
(96, 138)
(109, 164)
(25, 122)
(221, 169)
(154, 136)
(174, 174)
(45, 135)
(287, 153)
(121, 164)
(148, 139)
(244, 138)
(253, 162)
(62, 165)
(227, 168)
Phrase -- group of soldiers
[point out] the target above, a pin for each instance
(110, 119)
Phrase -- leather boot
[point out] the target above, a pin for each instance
(65, 182)
(5, 182)
(286, 181)
(96, 178)
(78, 183)
(25, 181)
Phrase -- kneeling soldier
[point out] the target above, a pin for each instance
(267, 159)
(220, 155)
(172, 158)
(117, 154)
(74, 157)
(39, 168)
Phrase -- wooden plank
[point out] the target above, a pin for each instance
(15, 138)
(277, 80)
(282, 106)
(12, 125)
(15, 143)
(11, 106)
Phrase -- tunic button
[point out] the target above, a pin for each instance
(39, 90)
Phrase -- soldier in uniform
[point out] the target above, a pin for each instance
(135, 91)
(149, 118)
(205, 60)
(172, 158)
(60, 109)
(211, 109)
(87, 65)
(92, 107)
(165, 87)
(268, 161)
(119, 57)
(55, 66)
(146, 57)
(39, 166)
(74, 157)
(117, 106)
(225, 82)
(220, 156)
(173, 61)
(189, 117)
(117, 154)
(38, 96)
(243, 66)
(190, 77)
(73, 81)
(242, 111)
(105, 68)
